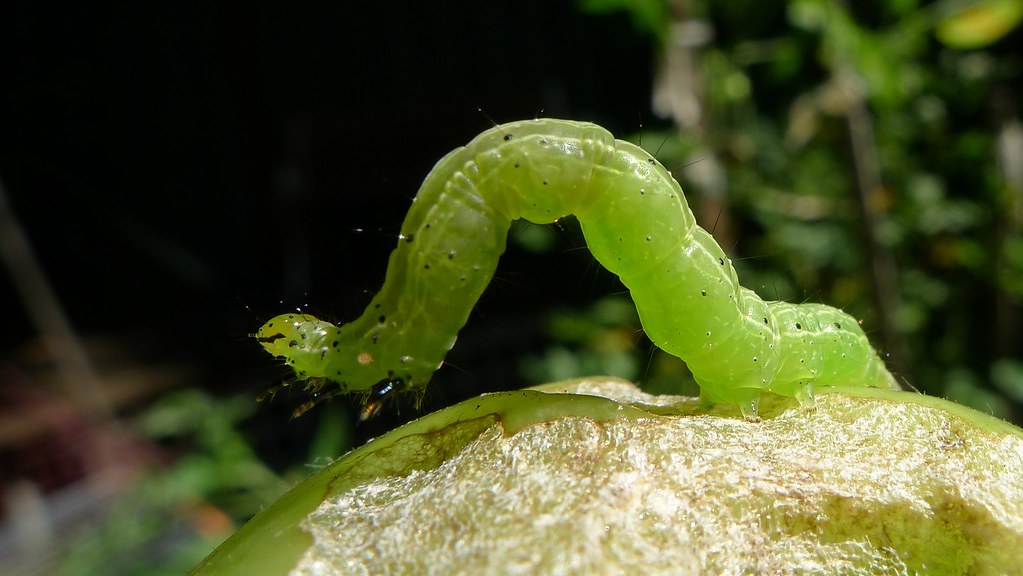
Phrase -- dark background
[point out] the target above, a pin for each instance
(186, 171)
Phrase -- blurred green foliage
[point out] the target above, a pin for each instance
(175, 515)
(868, 156)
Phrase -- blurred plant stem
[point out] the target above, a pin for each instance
(78, 378)
(1009, 145)
(869, 186)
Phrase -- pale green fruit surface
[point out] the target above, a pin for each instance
(595, 477)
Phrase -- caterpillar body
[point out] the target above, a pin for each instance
(636, 223)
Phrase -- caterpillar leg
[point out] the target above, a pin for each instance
(382, 392)
(312, 388)
(805, 396)
(750, 409)
(271, 392)
(749, 403)
(316, 398)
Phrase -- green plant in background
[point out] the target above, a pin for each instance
(871, 152)
(177, 514)
(598, 340)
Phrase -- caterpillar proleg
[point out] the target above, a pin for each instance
(637, 224)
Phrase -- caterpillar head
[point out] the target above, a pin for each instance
(349, 356)
(290, 335)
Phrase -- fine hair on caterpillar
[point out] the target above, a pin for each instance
(636, 223)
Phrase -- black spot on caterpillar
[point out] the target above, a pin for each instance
(636, 223)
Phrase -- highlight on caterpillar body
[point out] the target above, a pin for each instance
(636, 223)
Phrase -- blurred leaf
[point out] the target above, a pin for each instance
(334, 436)
(1007, 374)
(980, 24)
(604, 338)
(965, 388)
(649, 16)
(1011, 276)
(532, 237)
(176, 515)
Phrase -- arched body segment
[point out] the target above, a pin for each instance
(636, 223)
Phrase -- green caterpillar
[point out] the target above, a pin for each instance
(636, 223)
